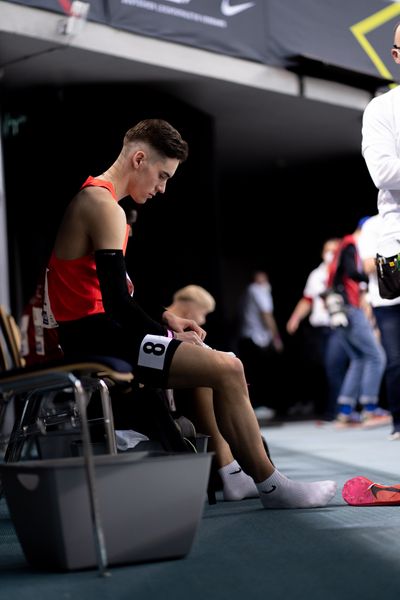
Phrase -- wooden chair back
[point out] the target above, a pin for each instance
(11, 341)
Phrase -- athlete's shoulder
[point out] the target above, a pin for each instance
(95, 192)
(95, 207)
(98, 199)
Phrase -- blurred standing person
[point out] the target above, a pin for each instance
(387, 316)
(259, 342)
(381, 151)
(363, 377)
(325, 346)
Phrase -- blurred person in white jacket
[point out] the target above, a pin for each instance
(387, 317)
(381, 151)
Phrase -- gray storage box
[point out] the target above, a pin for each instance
(150, 507)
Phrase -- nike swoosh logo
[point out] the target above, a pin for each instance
(375, 490)
(230, 11)
(236, 472)
(273, 488)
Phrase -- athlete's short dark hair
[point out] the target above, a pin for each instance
(160, 134)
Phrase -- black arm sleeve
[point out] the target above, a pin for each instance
(118, 304)
(349, 263)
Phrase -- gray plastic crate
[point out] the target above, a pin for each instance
(150, 507)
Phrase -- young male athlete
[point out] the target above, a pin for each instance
(89, 295)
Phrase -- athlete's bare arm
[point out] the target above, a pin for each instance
(106, 225)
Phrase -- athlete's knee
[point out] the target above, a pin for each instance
(231, 367)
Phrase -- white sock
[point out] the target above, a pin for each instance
(277, 491)
(236, 484)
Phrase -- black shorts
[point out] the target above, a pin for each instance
(98, 335)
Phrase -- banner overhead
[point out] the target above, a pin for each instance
(355, 36)
(233, 28)
(337, 39)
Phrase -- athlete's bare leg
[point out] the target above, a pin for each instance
(236, 484)
(194, 366)
(202, 413)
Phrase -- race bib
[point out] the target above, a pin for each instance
(153, 350)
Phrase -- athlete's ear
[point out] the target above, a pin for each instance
(137, 158)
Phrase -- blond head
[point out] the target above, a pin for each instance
(197, 294)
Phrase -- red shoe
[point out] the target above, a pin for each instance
(360, 491)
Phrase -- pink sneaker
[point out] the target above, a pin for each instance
(361, 491)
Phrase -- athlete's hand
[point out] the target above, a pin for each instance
(190, 337)
(181, 325)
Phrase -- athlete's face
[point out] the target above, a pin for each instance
(150, 175)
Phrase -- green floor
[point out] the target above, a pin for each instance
(242, 551)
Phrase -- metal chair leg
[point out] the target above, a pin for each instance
(81, 400)
(108, 417)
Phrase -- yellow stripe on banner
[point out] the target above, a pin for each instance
(367, 25)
